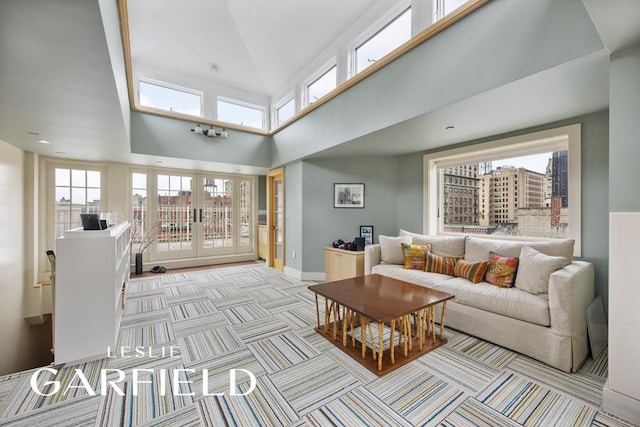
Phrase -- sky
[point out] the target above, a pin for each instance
(536, 163)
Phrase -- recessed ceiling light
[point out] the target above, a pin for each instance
(44, 141)
(450, 127)
(213, 68)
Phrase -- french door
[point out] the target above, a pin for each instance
(199, 215)
(275, 218)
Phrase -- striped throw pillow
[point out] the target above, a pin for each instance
(414, 255)
(440, 264)
(472, 271)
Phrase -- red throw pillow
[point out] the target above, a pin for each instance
(502, 270)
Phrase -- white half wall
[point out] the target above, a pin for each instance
(621, 395)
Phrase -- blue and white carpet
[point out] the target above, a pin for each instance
(253, 318)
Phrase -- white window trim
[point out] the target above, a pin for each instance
(333, 62)
(245, 104)
(149, 80)
(281, 103)
(532, 143)
(380, 24)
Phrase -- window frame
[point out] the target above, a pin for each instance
(380, 25)
(566, 137)
(47, 216)
(261, 108)
(170, 86)
(439, 8)
(291, 96)
(317, 75)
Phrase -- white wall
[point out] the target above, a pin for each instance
(15, 334)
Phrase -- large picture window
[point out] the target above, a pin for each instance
(525, 187)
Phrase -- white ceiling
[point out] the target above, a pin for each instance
(256, 45)
(57, 70)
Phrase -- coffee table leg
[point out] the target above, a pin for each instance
(344, 326)
(380, 334)
(392, 341)
(444, 307)
(363, 335)
(317, 312)
(336, 310)
(420, 328)
(433, 323)
(327, 314)
(373, 342)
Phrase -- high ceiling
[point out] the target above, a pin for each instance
(61, 59)
(256, 45)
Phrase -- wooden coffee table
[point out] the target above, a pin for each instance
(386, 301)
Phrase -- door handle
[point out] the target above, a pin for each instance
(195, 218)
(200, 214)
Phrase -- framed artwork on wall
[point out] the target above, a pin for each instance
(348, 195)
(366, 231)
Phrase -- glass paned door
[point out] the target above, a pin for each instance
(275, 218)
(225, 216)
(174, 217)
(216, 215)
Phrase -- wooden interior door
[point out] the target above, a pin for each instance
(275, 218)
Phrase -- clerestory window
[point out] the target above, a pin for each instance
(168, 97)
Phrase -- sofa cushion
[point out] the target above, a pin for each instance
(478, 249)
(511, 302)
(502, 270)
(391, 248)
(417, 277)
(441, 245)
(414, 255)
(472, 271)
(535, 270)
(440, 264)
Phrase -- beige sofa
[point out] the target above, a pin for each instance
(550, 327)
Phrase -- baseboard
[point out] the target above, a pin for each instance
(620, 405)
(198, 262)
(300, 275)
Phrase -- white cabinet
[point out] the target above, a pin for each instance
(92, 272)
(340, 264)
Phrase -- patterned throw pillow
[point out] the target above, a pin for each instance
(472, 271)
(440, 264)
(414, 255)
(502, 270)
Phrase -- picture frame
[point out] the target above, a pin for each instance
(348, 195)
(366, 231)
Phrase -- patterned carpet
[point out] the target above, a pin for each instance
(255, 318)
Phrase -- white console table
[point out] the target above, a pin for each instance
(92, 272)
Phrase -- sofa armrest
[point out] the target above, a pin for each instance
(371, 257)
(571, 289)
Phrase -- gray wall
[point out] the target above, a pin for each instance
(161, 136)
(524, 37)
(293, 215)
(321, 223)
(410, 185)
